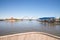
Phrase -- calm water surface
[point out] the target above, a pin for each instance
(7, 27)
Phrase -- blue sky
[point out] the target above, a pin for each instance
(29, 8)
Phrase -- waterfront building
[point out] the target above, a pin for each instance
(47, 19)
(57, 19)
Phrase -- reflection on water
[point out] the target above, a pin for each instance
(8, 27)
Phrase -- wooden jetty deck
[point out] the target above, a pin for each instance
(30, 36)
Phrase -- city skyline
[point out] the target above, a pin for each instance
(29, 8)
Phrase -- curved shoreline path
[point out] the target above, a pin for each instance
(30, 36)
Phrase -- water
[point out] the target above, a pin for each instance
(7, 28)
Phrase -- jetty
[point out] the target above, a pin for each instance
(30, 36)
